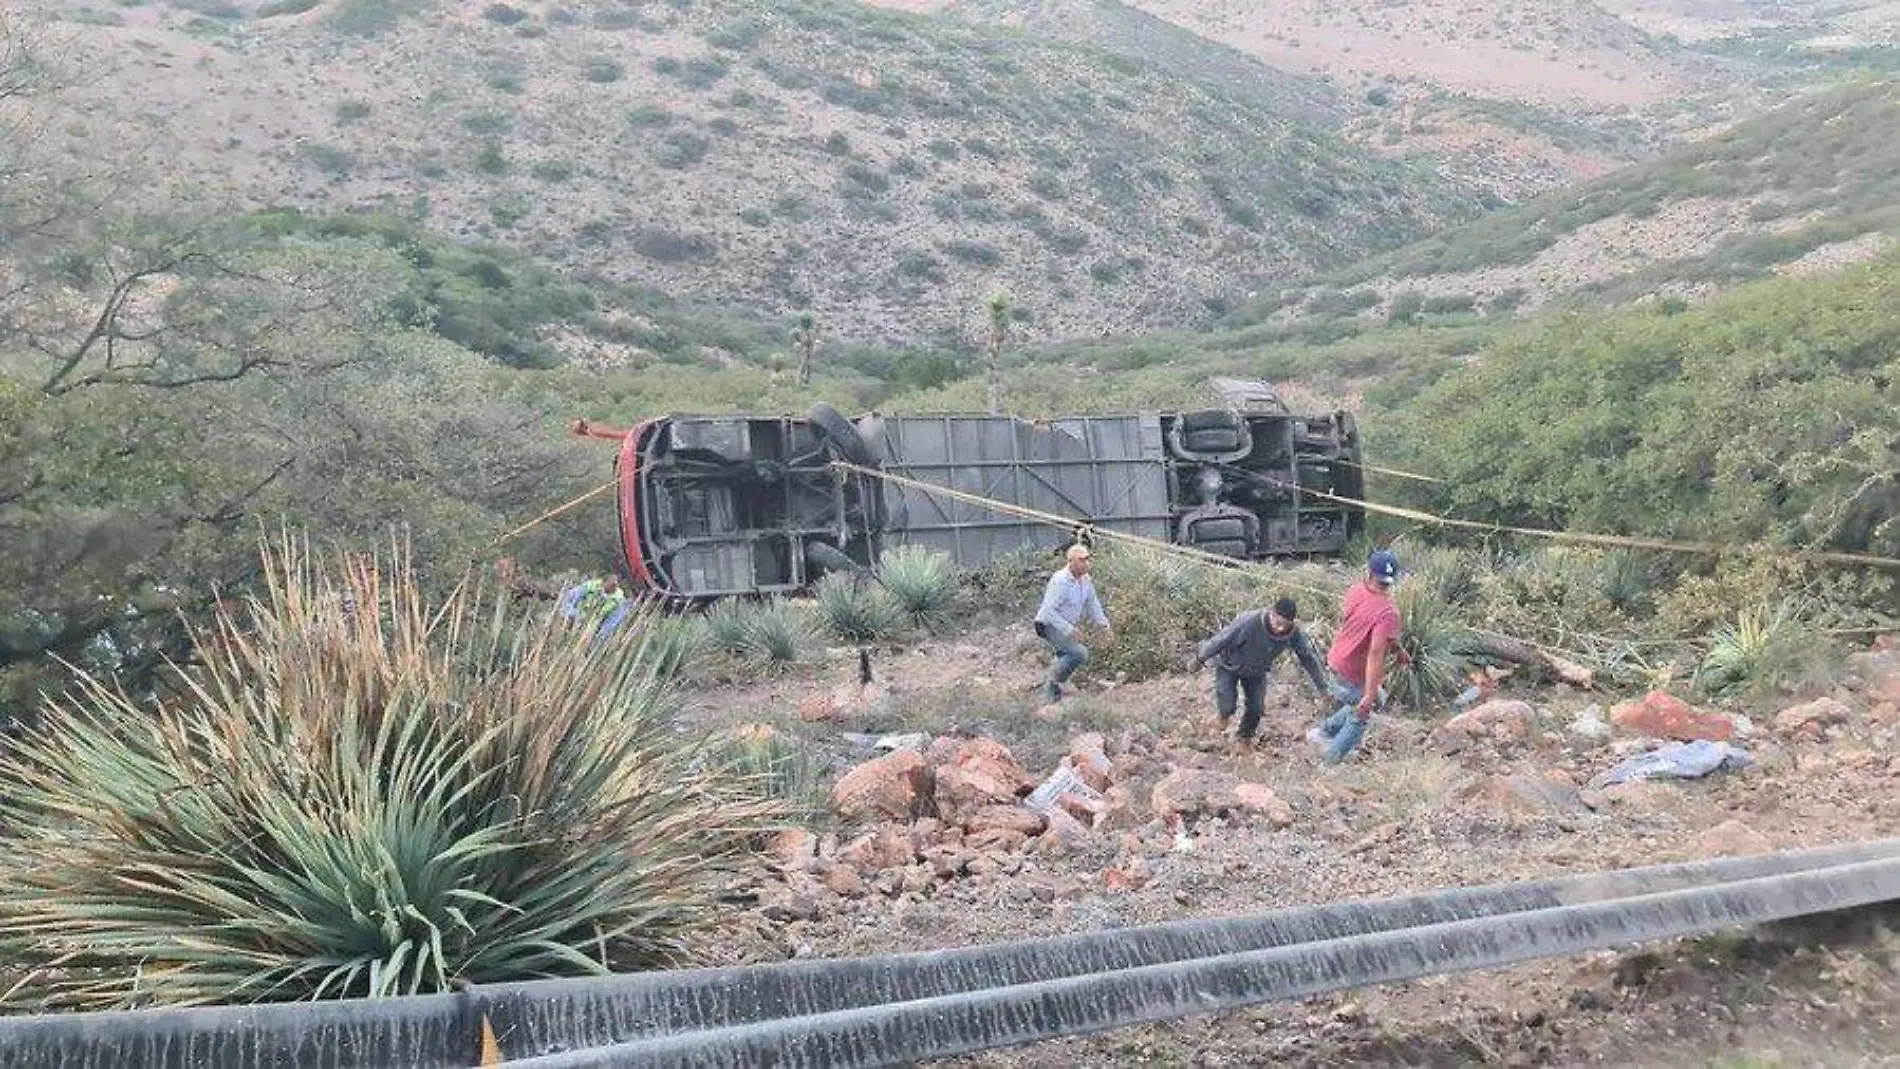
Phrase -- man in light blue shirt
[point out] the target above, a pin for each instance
(1066, 602)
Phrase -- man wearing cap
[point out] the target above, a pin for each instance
(1244, 653)
(1066, 601)
(1368, 627)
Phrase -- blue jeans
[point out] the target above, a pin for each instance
(1344, 727)
(1070, 655)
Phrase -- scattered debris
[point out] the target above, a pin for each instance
(1683, 760)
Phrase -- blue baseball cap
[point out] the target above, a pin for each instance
(1384, 566)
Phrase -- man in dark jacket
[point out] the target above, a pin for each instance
(1244, 653)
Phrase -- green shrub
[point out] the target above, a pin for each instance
(856, 609)
(726, 626)
(363, 792)
(775, 768)
(1764, 650)
(1432, 636)
(777, 632)
(602, 70)
(923, 582)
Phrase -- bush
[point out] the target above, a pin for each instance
(363, 792)
(771, 632)
(1765, 650)
(1161, 607)
(602, 70)
(923, 582)
(856, 610)
(774, 768)
(1433, 637)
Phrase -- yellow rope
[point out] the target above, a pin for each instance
(1362, 466)
(548, 515)
(1618, 541)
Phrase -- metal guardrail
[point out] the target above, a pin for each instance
(901, 1008)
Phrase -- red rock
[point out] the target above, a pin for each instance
(1811, 719)
(942, 751)
(1140, 740)
(997, 841)
(1732, 838)
(1087, 754)
(982, 773)
(1662, 716)
(1501, 721)
(948, 862)
(1886, 714)
(1130, 877)
(793, 849)
(1064, 832)
(1082, 809)
(1259, 798)
(1195, 790)
(1529, 793)
(814, 708)
(1118, 807)
(1126, 767)
(890, 786)
(917, 879)
(889, 847)
(844, 881)
(1006, 818)
(1051, 713)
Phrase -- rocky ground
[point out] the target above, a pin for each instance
(936, 840)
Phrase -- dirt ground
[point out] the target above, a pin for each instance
(1402, 816)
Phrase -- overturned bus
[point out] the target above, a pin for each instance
(711, 506)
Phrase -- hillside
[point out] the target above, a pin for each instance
(1809, 187)
(883, 171)
(1521, 97)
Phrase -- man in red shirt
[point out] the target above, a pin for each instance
(1369, 626)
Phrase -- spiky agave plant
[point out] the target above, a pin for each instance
(858, 610)
(1767, 647)
(364, 792)
(777, 632)
(924, 583)
(726, 626)
(1432, 636)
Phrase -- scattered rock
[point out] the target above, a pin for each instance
(1661, 715)
(1004, 818)
(1531, 793)
(996, 841)
(1064, 832)
(794, 850)
(889, 847)
(1259, 798)
(1125, 767)
(982, 773)
(1186, 791)
(1812, 719)
(815, 708)
(1088, 754)
(1589, 726)
(1503, 721)
(845, 882)
(1732, 838)
(891, 787)
(1132, 876)
(800, 902)
(1050, 713)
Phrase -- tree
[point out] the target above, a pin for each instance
(999, 310)
(805, 336)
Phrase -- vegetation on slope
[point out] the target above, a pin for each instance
(882, 171)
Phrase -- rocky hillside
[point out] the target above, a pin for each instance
(1521, 97)
(1809, 187)
(886, 172)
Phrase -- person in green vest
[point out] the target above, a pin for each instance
(592, 600)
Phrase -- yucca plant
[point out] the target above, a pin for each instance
(856, 609)
(727, 626)
(774, 767)
(924, 583)
(777, 632)
(363, 792)
(1432, 636)
(1765, 649)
